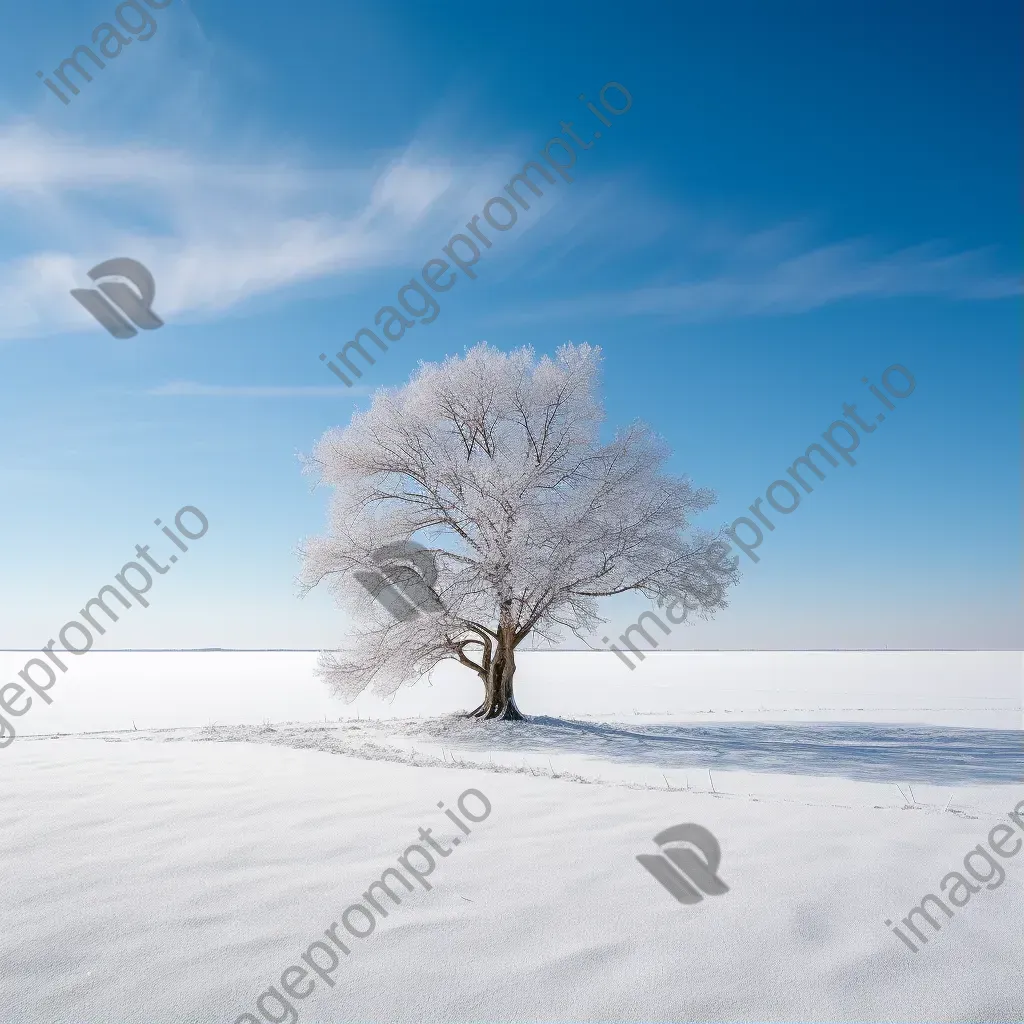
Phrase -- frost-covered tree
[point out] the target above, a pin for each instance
(493, 462)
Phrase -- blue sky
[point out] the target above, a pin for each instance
(800, 195)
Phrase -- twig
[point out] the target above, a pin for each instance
(712, 781)
(900, 788)
(911, 788)
(665, 777)
(948, 802)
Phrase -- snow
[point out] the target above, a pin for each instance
(981, 689)
(172, 873)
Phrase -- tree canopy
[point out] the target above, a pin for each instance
(494, 463)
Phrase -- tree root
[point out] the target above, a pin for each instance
(506, 711)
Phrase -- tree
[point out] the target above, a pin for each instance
(493, 462)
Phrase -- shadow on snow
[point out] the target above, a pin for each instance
(866, 752)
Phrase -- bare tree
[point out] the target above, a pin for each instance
(494, 463)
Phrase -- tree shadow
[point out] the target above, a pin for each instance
(863, 751)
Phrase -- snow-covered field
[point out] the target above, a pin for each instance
(982, 689)
(174, 871)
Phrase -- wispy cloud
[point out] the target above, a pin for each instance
(217, 231)
(213, 232)
(770, 273)
(193, 389)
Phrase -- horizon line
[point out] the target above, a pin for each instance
(568, 650)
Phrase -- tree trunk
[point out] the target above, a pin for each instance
(499, 701)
